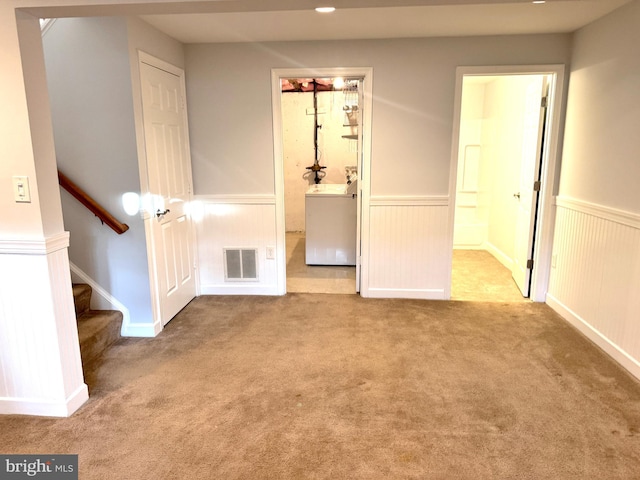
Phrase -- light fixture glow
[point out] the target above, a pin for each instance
(539, 1)
(325, 9)
(131, 203)
(338, 83)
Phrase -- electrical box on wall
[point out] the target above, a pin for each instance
(21, 192)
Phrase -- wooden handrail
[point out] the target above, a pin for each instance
(95, 208)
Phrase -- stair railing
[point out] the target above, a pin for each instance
(95, 208)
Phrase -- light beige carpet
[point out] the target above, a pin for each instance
(479, 276)
(340, 387)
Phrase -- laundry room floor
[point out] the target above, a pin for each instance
(303, 278)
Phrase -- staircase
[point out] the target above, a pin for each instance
(97, 329)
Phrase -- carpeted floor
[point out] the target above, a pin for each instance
(340, 387)
(477, 275)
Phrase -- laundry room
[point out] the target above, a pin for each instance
(320, 120)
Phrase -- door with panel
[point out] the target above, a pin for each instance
(169, 181)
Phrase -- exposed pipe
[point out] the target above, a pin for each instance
(316, 168)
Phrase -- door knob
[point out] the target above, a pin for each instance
(160, 213)
(517, 195)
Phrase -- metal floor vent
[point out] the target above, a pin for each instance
(240, 264)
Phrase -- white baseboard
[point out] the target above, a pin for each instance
(45, 408)
(614, 351)
(103, 300)
(500, 255)
(240, 289)
(418, 294)
(144, 330)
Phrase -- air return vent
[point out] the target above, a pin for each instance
(240, 265)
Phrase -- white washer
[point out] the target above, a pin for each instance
(330, 224)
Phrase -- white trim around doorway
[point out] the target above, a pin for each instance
(543, 240)
(363, 175)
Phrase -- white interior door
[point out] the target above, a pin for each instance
(169, 176)
(527, 195)
(361, 174)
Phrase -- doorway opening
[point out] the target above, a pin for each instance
(505, 143)
(321, 146)
(320, 121)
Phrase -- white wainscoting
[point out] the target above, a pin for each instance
(40, 366)
(236, 221)
(409, 251)
(595, 283)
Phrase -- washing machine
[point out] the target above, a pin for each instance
(330, 224)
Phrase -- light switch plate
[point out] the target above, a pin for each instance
(21, 192)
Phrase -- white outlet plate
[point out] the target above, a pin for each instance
(271, 253)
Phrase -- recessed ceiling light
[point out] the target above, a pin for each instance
(539, 1)
(325, 9)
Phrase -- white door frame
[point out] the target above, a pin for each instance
(363, 174)
(148, 214)
(543, 240)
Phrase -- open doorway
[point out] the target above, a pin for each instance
(502, 155)
(321, 156)
(321, 128)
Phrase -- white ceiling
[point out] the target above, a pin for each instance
(422, 18)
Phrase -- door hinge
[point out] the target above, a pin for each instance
(544, 102)
(536, 186)
(529, 264)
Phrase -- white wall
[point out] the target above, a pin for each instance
(229, 102)
(596, 278)
(335, 152)
(472, 192)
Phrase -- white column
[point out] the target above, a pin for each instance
(40, 366)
